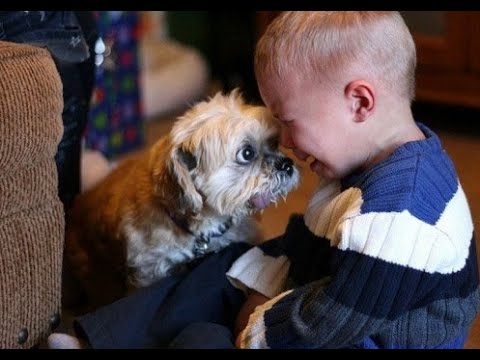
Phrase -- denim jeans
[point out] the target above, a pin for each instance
(68, 35)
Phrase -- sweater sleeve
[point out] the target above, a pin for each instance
(265, 268)
(262, 273)
(368, 292)
(308, 317)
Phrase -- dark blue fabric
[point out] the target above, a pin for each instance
(59, 31)
(422, 184)
(373, 343)
(310, 256)
(395, 282)
(153, 316)
(204, 336)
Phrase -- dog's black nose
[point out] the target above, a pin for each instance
(285, 165)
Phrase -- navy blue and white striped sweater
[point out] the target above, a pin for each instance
(383, 259)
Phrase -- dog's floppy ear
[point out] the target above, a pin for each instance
(187, 158)
(182, 162)
(171, 166)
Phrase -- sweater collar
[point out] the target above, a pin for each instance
(430, 144)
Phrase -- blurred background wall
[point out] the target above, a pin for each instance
(183, 56)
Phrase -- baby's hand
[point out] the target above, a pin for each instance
(254, 299)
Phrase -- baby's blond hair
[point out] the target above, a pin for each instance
(371, 43)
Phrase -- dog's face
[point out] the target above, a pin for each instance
(223, 156)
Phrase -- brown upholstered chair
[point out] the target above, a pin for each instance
(31, 214)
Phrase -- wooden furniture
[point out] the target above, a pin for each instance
(448, 49)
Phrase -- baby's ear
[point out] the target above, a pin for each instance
(360, 95)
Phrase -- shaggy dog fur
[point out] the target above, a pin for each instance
(193, 192)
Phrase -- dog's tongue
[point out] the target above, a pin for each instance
(261, 201)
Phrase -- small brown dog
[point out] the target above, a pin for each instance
(193, 192)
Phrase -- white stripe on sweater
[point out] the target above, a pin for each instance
(398, 238)
(253, 336)
(260, 272)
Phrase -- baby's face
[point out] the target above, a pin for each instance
(316, 123)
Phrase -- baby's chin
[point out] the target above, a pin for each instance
(323, 171)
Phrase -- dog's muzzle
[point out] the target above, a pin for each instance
(285, 165)
(285, 178)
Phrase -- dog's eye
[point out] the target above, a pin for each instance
(246, 154)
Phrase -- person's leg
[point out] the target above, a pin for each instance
(75, 114)
(120, 325)
(78, 80)
(203, 336)
(194, 336)
(124, 324)
(153, 316)
(204, 295)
